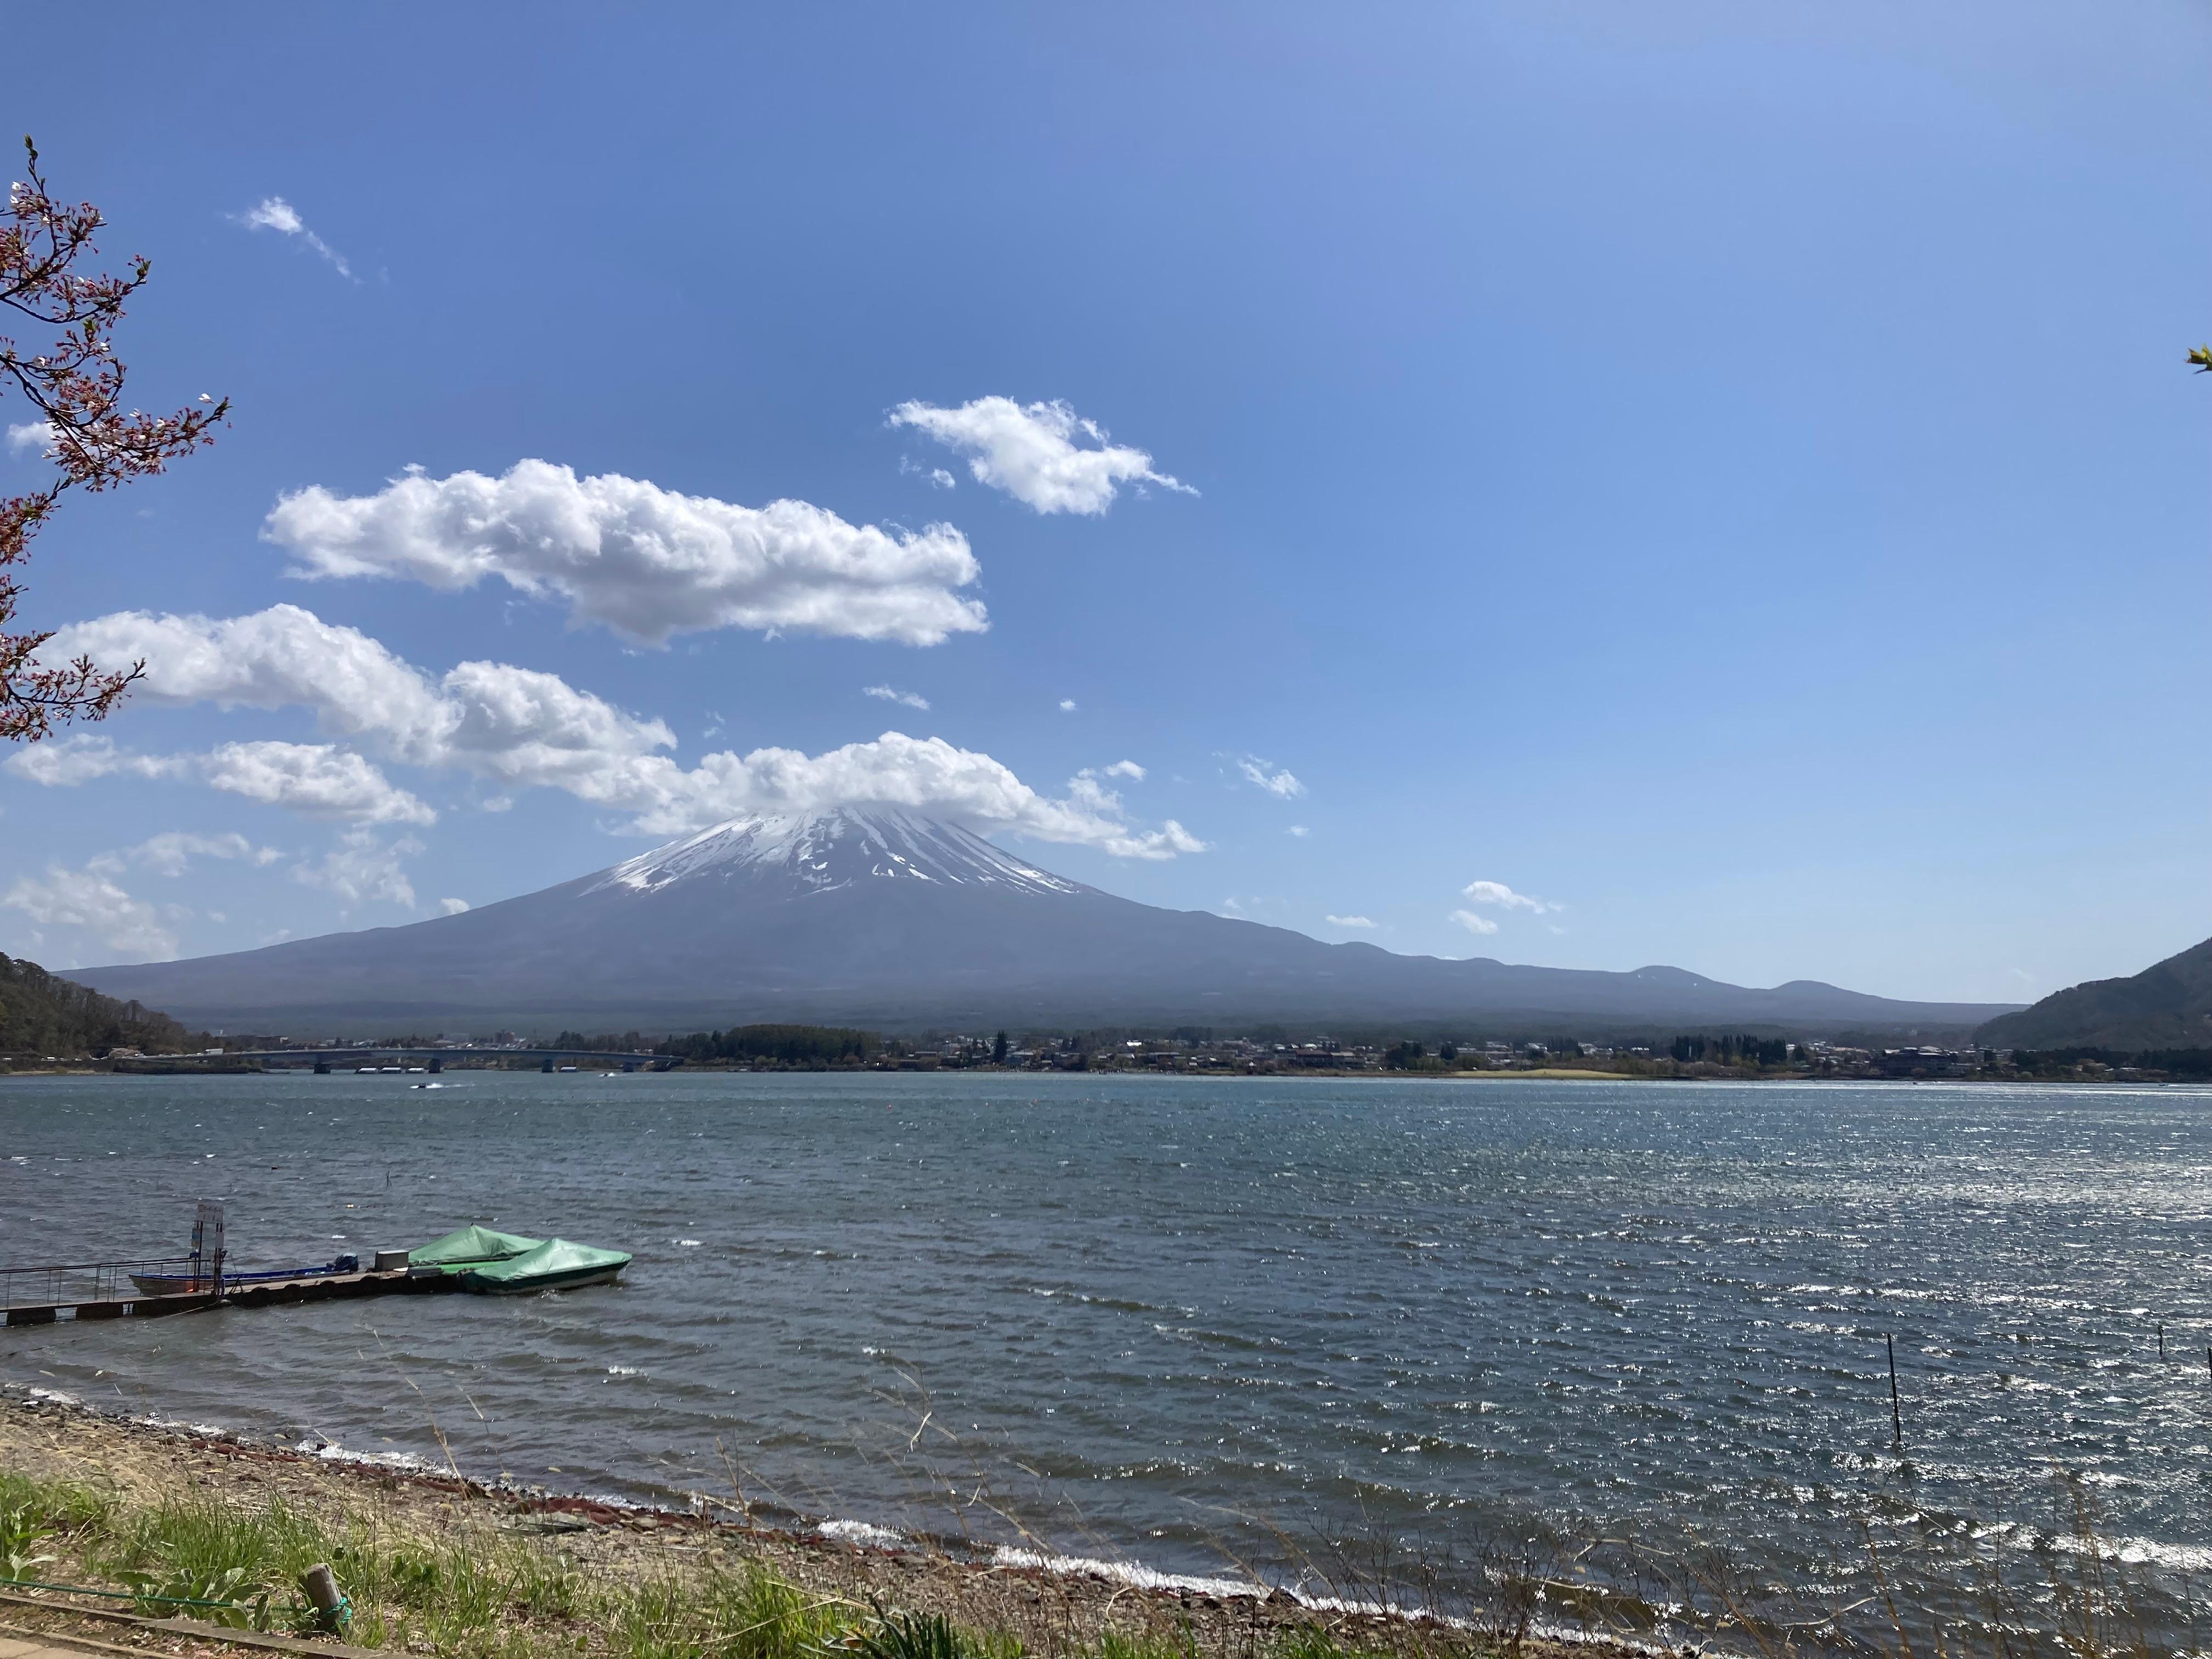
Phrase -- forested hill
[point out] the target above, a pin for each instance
(42, 1015)
(2167, 1006)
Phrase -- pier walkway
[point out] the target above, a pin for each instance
(40, 1296)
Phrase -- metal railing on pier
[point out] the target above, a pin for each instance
(80, 1282)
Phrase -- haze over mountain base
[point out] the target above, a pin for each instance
(883, 918)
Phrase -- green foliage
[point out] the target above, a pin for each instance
(1743, 1050)
(786, 1045)
(913, 1635)
(41, 1014)
(606, 1042)
(2062, 1062)
(64, 1506)
(229, 1597)
(22, 1528)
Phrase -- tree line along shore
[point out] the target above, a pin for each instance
(48, 1024)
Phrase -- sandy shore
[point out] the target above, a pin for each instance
(1049, 1611)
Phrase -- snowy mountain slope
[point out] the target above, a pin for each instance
(823, 852)
(886, 919)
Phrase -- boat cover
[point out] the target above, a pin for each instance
(469, 1244)
(556, 1258)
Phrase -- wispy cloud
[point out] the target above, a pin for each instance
(318, 780)
(1279, 783)
(1473, 923)
(91, 899)
(26, 436)
(171, 853)
(891, 694)
(275, 213)
(363, 866)
(1299, 830)
(1349, 921)
(1497, 895)
(938, 477)
(1032, 453)
(452, 907)
(1067, 705)
(1126, 768)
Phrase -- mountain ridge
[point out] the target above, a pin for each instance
(2167, 1006)
(887, 919)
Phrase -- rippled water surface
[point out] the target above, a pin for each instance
(1178, 1320)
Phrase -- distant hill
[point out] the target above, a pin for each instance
(880, 919)
(40, 1014)
(2168, 1005)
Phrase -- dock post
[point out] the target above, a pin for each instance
(333, 1612)
(1896, 1411)
(548, 1064)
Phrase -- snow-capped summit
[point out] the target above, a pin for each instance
(821, 852)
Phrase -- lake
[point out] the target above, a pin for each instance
(1192, 1323)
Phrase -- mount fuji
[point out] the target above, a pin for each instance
(883, 918)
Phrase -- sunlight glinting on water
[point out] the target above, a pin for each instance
(1203, 1326)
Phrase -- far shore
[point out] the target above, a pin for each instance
(185, 1068)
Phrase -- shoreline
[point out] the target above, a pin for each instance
(1047, 1601)
(1537, 1075)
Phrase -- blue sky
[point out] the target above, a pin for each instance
(1716, 487)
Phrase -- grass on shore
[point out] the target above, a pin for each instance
(480, 1594)
(473, 1591)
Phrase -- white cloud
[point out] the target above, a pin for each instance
(1497, 893)
(1032, 453)
(928, 776)
(647, 562)
(1126, 768)
(940, 477)
(452, 907)
(171, 853)
(1348, 921)
(316, 780)
(91, 900)
(1279, 783)
(1067, 705)
(1473, 923)
(275, 213)
(360, 866)
(66, 760)
(1299, 830)
(519, 727)
(273, 658)
(889, 694)
(26, 436)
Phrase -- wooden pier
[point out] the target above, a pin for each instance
(103, 1291)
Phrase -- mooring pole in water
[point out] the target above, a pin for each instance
(1896, 1412)
(2161, 1341)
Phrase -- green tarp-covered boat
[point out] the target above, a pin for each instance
(555, 1265)
(469, 1247)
